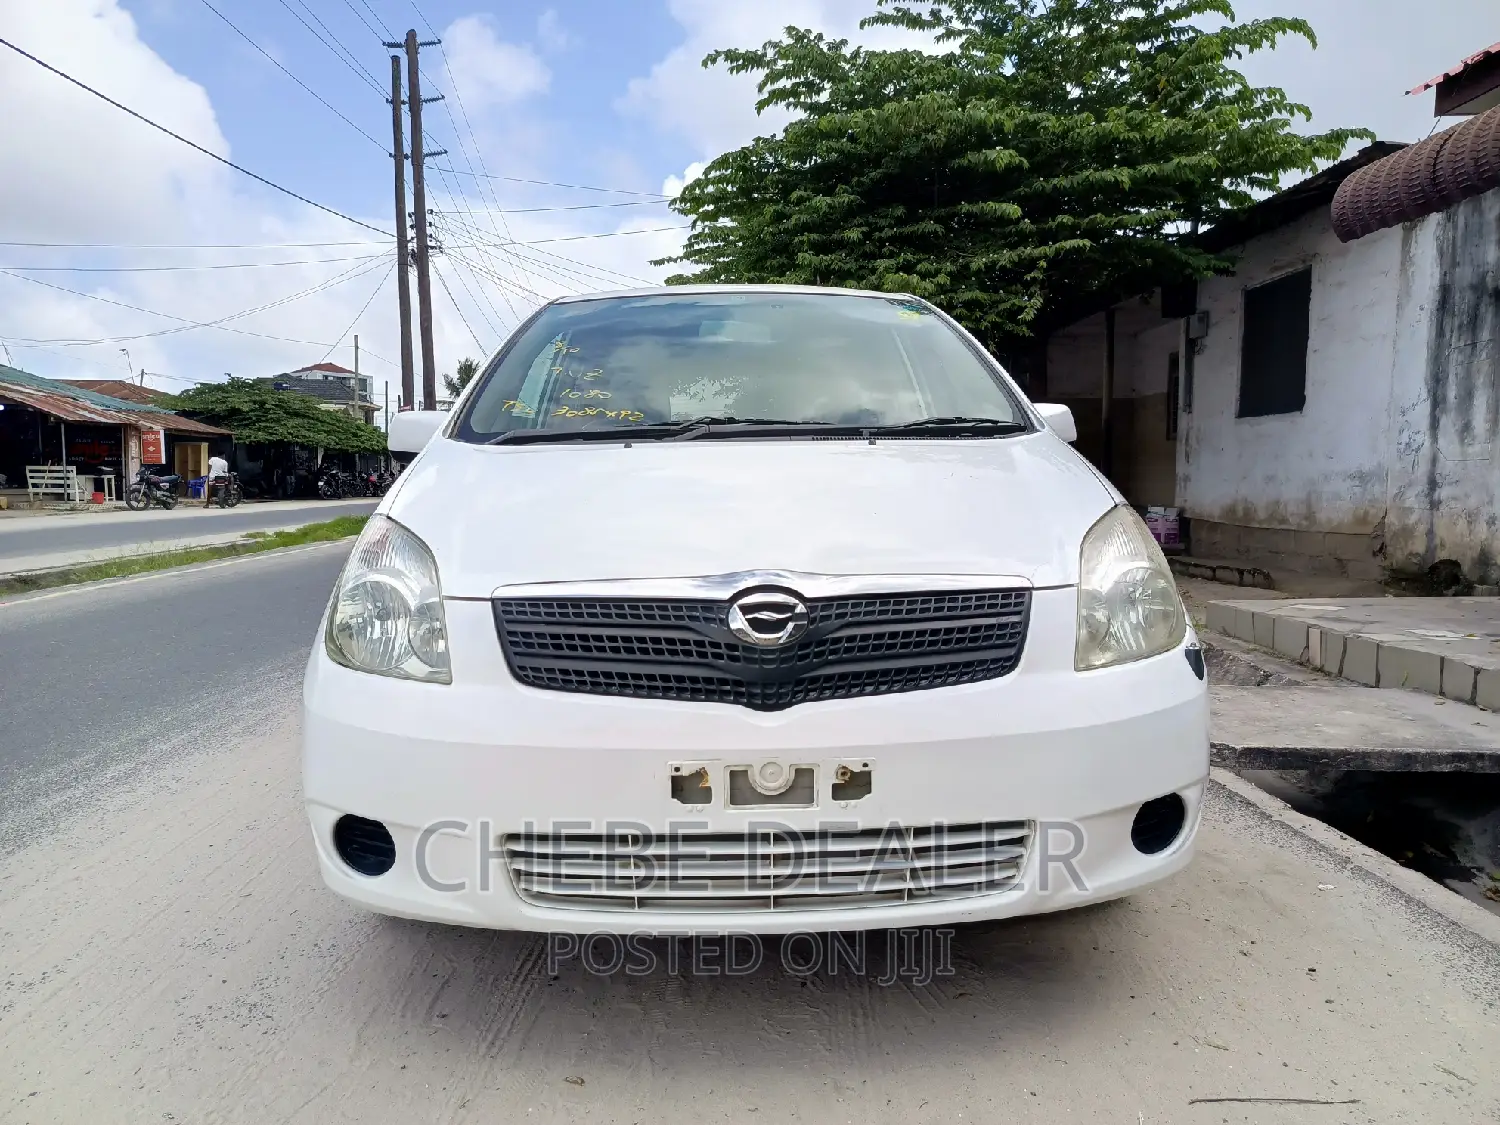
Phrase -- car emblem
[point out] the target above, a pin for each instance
(767, 619)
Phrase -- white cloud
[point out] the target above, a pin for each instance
(1362, 68)
(673, 185)
(489, 71)
(1357, 76)
(713, 109)
(79, 171)
(550, 32)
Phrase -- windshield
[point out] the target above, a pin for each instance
(835, 359)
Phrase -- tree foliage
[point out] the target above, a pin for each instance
(465, 372)
(257, 412)
(1047, 150)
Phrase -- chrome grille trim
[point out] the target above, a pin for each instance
(684, 648)
(726, 872)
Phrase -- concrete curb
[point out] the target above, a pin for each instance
(22, 597)
(36, 565)
(1360, 860)
(1372, 660)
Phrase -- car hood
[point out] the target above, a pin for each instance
(498, 515)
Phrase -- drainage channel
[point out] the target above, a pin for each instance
(1445, 826)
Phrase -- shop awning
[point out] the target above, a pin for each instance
(92, 410)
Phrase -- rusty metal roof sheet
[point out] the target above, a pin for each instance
(1480, 56)
(73, 404)
(1423, 179)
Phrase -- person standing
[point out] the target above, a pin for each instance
(218, 472)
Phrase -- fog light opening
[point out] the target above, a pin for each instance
(365, 846)
(1158, 823)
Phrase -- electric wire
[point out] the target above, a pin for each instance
(350, 274)
(379, 285)
(277, 64)
(191, 144)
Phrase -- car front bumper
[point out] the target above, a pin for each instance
(452, 769)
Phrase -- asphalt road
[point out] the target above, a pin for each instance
(168, 954)
(24, 538)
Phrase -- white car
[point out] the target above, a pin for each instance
(756, 609)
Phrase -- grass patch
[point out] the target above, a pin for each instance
(255, 542)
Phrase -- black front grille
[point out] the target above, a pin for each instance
(683, 649)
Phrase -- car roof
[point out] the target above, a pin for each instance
(689, 290)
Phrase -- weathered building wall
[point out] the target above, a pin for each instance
(1444, 490)
(1306, 491)
(1144, 459)
(1151, 473)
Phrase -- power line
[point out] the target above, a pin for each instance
(656, 197)
(454, 192)
(175, 269)
(495, 276)
(583, 237)
(582, 207)
(342, 53)
(362, 308)
(514, 318)
(604, 271)
(346, 275)
(187, 245)
(184, 140)
(377, 32)
(444, 283)
(293, 77)
(569, 278)
(458, 97)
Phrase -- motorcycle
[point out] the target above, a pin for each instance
(229, 491)
(150, 488)
(330, 485)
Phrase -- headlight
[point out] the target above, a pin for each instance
(1128, 604)
(387, 615)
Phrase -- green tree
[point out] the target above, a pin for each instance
(467, 369)
(257, 412)
(1050, 151)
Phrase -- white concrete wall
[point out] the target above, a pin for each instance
(1075, 359)
(1444, 488)
(1323, 469)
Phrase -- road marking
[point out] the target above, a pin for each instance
(194, 568)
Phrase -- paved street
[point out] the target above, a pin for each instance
(169, 954)
(32, 542)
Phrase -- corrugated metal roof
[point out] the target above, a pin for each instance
(1492, 49)
(74, 404)
(118, 388)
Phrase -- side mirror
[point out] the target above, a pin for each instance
(1058, 417)
(411, 430)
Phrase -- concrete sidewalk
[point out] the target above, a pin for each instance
(41, 543)
(1267, 713)
(1448, 647)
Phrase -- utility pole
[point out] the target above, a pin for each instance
(403, 253)
(419, 155)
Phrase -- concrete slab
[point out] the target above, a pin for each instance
(1271, 713)
(1343, 726)
(1446, 647)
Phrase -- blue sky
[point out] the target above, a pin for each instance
(572, 134)
(607, 93)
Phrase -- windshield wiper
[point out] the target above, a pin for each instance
(676, 431)
(956, 426)
(644, 431)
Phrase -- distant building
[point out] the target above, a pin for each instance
(336, 388)
(120, 389)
